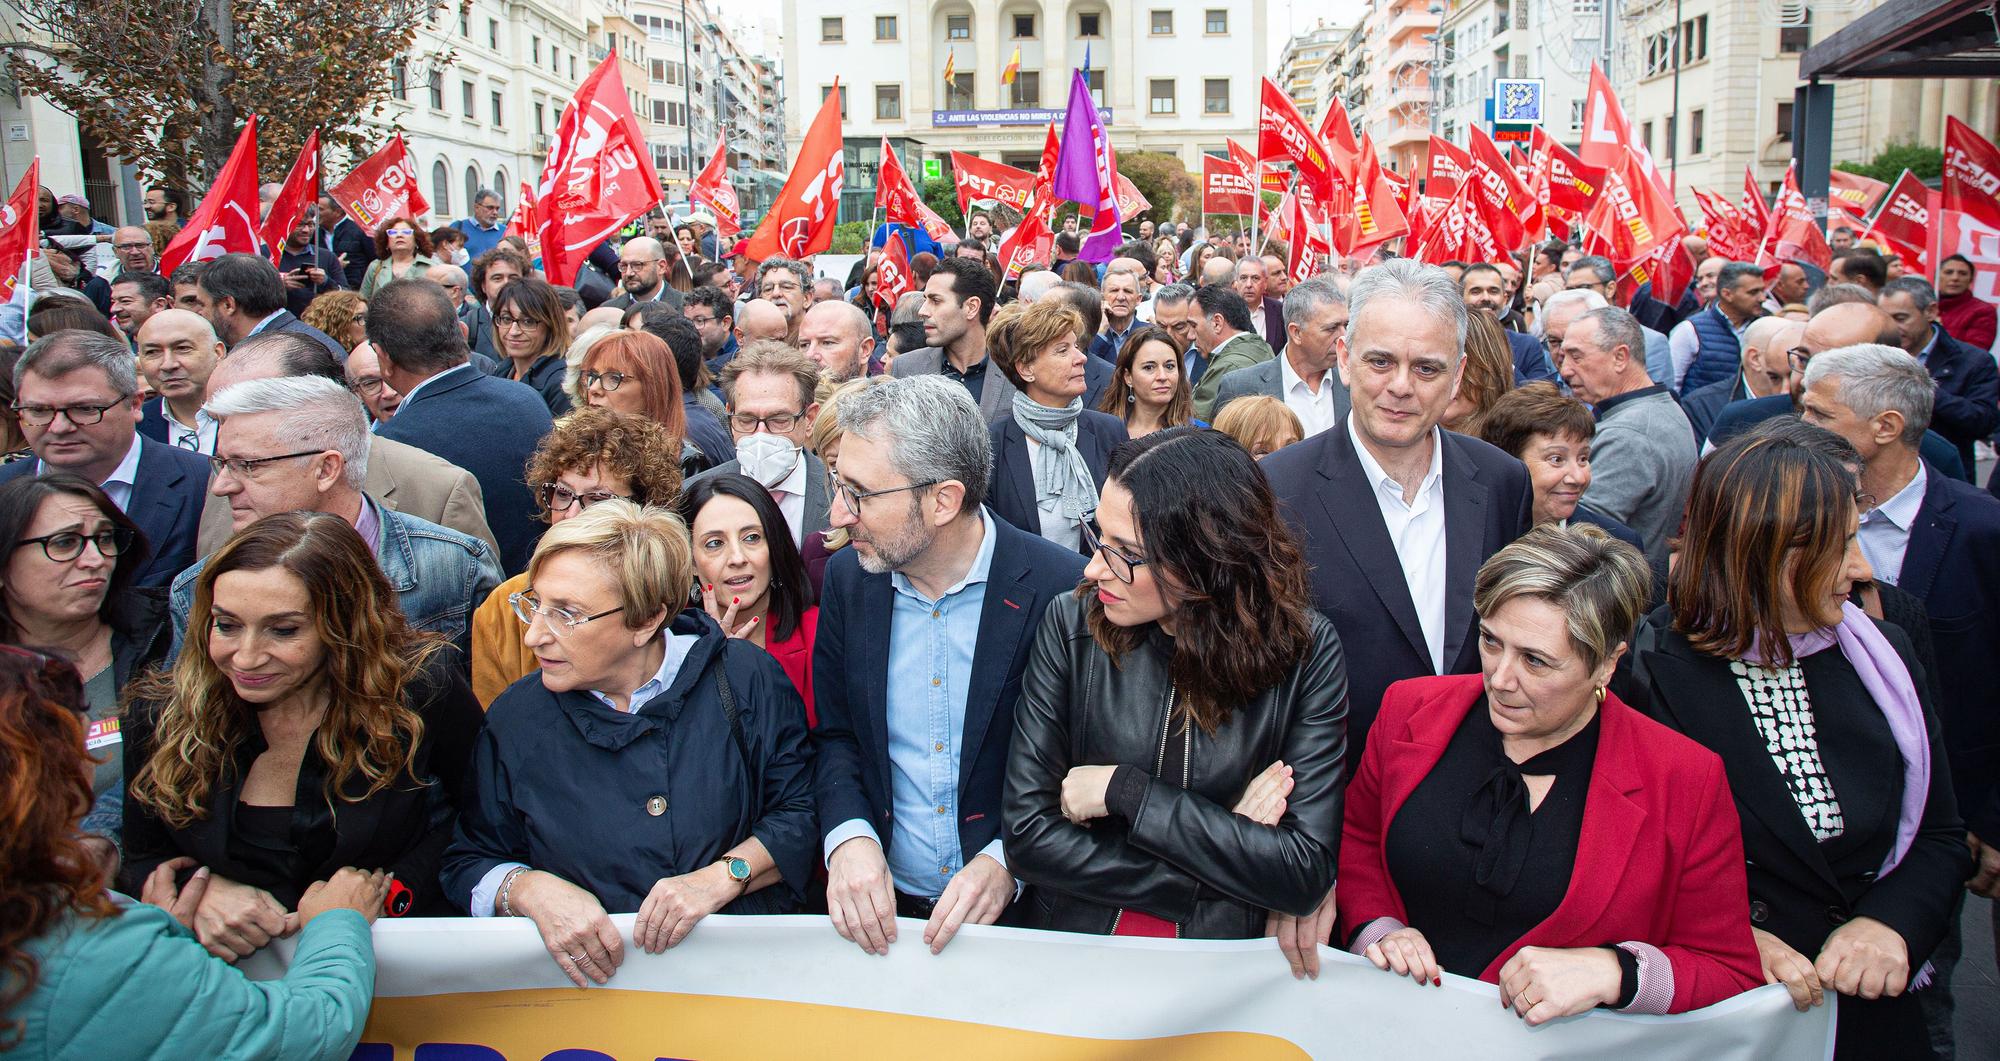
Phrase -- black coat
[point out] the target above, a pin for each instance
(403, 828)
(1011, 489)
(1357, 580)
(563, 783)
(546, 376)
(350, 239)
(1184, 855)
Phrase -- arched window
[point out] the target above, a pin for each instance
(441, 188)
(501, 187)
(471, 183)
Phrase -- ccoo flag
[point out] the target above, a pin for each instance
(1087, 172)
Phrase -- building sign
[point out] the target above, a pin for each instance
(1031, 116)
(1517, 100)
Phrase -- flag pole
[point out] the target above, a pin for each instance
(1256, 201)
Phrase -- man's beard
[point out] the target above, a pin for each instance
(897, 553)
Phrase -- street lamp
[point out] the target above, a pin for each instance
(1436, 39)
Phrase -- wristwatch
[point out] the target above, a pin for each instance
(739, 869)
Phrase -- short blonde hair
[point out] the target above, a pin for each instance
(646, 550)
(1259, 419)
(1015, 337)
(1600, 583)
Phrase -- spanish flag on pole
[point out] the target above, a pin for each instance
(950, 67)
(1013, 67)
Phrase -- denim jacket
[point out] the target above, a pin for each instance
(439, 576)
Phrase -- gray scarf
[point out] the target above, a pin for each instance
(1063, 475)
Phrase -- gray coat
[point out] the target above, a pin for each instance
(1642, 465)
(1267, 378)
(996, 395)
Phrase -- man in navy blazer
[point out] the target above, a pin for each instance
(1967, 405)
(1395, 514)
(925, 625)
(485, 424)
(86, 386)
(242, 294)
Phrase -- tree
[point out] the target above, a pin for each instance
(167, 84)
(1161, 178)
(1927, 163)
(941, 195)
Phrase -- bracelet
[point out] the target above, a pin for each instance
(507, 886)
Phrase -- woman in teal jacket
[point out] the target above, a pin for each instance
(86, 974)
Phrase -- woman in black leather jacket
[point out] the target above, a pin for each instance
(1177, 759)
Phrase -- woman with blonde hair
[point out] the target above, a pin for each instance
(1049, 457)
(340, 314)
(824, 442)
(1488, 374)
(1260, 423)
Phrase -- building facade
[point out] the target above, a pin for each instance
(1169, 75)
(1401, 54)
(1300, 65)
(1550, 41)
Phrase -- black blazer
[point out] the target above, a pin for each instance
(1011, 490)
(286, 322)
(353, 241)
(490, 427)
(167, 495)
(1967, 403)
(1795, 893)
(851, 681)
(1357, 580)
(403, 828)
(546, 376)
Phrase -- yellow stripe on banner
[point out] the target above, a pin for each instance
(530, 1025)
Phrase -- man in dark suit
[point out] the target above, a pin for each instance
(1484, 287)
(242, 294)
(353, 246)
(1968, 384)
(925, 625)
(1267, 315)
(1305, 375)
(485, 424)
(771, 386)
(79, 409)
(1396, 514)
(1765, 371)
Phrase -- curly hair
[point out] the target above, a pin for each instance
(372, 653)
(333, 313)
(502, 253)
(45, 873)
(633, 448)
(1212, 533)
(420, 237)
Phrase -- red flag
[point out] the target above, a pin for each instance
(1971, 174)
(1670, 269)
(1729, 229)
(1631, 217)
(894, 193)
(1131, 201)
(1503, 201)
(20, 236)
(711, 188)
(1376, 216)
(1336, 131)
(801, 218)
(1282, 133)
(599, 174)
(1225, 188)
(1903, 224)
(1032, 239)
(1793, 235)
(978, 179)
(893, 278)
(1966, 233)
(1853, 193)
(1606, 132)
(1307, 250)
(1753, 205)
(226, 220)
(300, 194)
(1457, 232)
(382, 187)
(1447, 168)
(934, 226)
(1572, 186)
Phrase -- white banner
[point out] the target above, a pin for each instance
(769, 987)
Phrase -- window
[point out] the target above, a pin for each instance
(824, 89)
(1163, 23)
(471, 182)
(555, 59)
(1694, 39)
(1795, 39)
(1094, 80)
(1215, 95)
(541, 116)
(657, 71)
(499, 115)
(1027, 89)
(1089, 26)
(959, 96)
(1162, 95)
(1646, 135)
(1696, 123)
(437, 90)
(1673, 135)
(885, 27)
(500, 187)
(1575, 115)
(888, 103)
(1785, 122)
(465, 95)
(465, 25)
(1215, 21)
(535, 49)
(958, 27)
(493, 34)
(440, 187)
(399, 78)
(1024, 27)
(659, 112)
(832, 30)
(572, 66)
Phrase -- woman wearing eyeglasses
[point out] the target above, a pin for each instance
(531, 329)
(751, 578)
(1169, 775)
(402, 250)
(654, 764)
(67, 588)
(634, 372)
(592, 455)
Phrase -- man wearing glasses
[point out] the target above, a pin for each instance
(786, 284)
(642, 272)
(77, 404)
(915, 726)
(769, 388)
(133, 248)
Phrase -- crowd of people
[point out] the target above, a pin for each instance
(1481, 618)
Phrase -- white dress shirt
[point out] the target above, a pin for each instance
(1417, 530)
(118, 485)
(790, 494)
(1885, 529)
(1315, 411)
(197, 439)
(1259, 322)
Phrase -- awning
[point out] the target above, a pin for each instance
(1911, 38)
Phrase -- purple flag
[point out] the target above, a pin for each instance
(1087, 172)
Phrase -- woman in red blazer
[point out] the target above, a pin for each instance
(1526, 828)
(753, 582)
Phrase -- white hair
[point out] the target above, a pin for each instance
(1582, 297)
(1872, 378)
(1039, 283)
(1429, 286)
(321, 414)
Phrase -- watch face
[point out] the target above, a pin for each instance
(738, 869)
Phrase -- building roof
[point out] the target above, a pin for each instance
(1910, 38)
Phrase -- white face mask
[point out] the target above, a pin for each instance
(767, 458)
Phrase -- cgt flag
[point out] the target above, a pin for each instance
(300, 194)
(977, 180)
(599, 174)
(1033, 237)
(382, 187)
(711, 188)
(226, 220)
(801, 218)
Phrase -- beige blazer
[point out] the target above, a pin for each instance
(402, 477)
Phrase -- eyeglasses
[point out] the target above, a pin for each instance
(699, 321)
(852, 498)
(1120, 563)
(504, 323)
(402, 232)
(561, 620)
(1799, 356)
(626, 267)
(779, 285)
(79, 415)
(366, 386)
(141, 245)
(610, 381)
(746, 424)
(64, 546)
(559, 498)
(243, 466)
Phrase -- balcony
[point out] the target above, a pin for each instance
(1396, 132)
(1419, 54)
(1413, 20)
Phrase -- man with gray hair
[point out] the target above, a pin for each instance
(784, 282)
(1267, 319)
(1596, 274)
(1642, 461)
(76, 394)
(1557, 313)
(924, 627)
(1937, 539)
(300, 443)
(1303, 376)
(484, 228)
(1037, 283)
(1396, 514)
(1967, 406)
(1708, 346)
